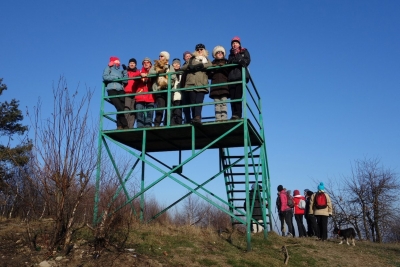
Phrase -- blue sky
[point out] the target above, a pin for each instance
(328, 71)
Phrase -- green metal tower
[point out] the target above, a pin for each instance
(241, 149)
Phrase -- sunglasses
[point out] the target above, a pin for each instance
(219, 52)
(199, 49)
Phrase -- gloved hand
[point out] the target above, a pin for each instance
(199, 66)
(124, 66)
(242, 62)
(191, 67)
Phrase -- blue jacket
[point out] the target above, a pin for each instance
(113, 73)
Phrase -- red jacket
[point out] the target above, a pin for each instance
(131, 87)
(296, 200)
(143, 86)
(283, 197)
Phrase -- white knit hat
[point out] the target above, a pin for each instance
(165, 54)
(217, 49)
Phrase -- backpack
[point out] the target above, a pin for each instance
(302, 204)
(290, 201)
(320, 201)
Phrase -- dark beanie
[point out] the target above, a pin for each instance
(310, 193)
(280, 188)
(132, 60)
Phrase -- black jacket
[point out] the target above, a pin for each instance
(219, 76)
(243, 59)
(257, 212)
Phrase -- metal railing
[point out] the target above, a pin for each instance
(251, 99)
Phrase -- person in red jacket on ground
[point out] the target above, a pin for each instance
(286, 211)
(299, 210)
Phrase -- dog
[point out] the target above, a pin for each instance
(161, 66)
(347, 234)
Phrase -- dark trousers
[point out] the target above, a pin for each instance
(161, 100)
(186, 101)
(322, 222)
(300, 225)
(196, 98)
(145, 118)
(282, 221)
(312, 227)
(119, 104)
(289, 221)
(236, 92)
(176, 114)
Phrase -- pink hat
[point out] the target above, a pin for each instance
(235, 39)
(112, 59)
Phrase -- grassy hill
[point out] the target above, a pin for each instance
(167, 245)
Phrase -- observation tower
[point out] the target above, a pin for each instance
(239, 145)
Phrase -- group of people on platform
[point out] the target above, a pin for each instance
(315, 207)
(195, 77)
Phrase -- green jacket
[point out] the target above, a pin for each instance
(196, 72)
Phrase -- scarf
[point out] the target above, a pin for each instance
(236, 50)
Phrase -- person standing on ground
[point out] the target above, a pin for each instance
(287, 211)
(281, 216)
(299, 212)
(321, 208)
(312, 228)
(254, 194)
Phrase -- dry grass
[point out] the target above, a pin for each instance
(168, 245)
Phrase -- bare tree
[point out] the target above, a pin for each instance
(345, 212)
(64, 157)
(192, 212)
(375, 189)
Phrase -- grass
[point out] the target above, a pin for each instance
(191, 246)
(167, 245)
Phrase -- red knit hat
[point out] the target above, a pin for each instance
(296, 192)
(112, 59)
(235, 39)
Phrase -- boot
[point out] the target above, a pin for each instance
(196, 120)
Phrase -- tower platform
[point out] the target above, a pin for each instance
(188, 137)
